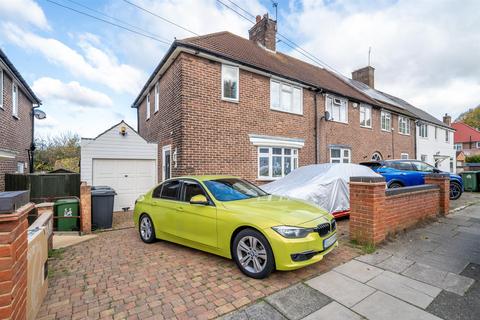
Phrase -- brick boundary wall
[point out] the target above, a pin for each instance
(376, 212)
(13, 263)
(85, 208)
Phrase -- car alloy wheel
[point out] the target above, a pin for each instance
(252, 254)
(455, 191)
(147, 233)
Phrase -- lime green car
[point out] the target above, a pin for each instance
(235, 219)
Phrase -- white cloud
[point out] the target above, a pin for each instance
(71, 93)
(422, 50)
(95, 64)
(23, 11)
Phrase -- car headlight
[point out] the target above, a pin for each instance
(292, 232)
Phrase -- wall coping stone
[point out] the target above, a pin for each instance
(17, 215)
(423, 187)
(367, 179)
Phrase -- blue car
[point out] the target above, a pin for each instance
(405, 173)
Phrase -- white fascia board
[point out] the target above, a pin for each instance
(269, 141)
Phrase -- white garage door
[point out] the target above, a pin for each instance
(129, 178)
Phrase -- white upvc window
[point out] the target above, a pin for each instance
(404, 156)
(148, 107)
(386, 121)
(157, 96)
(337, 107)
(1, 89)
(403, 125)
(459, 146)
(15, 100)
(478, 145)
(365, 116)
(20, 167)
(423, 130)
(276, 162)
(436, 133)
(230, 83)
(286, 97)
(447, 136)
(340, 155)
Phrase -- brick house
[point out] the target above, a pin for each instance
(466, 138)
(223, 104)
(17, 102)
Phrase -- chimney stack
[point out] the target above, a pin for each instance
(264, 32)
(447, 119)
(365, 75)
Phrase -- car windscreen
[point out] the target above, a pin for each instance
(233, 189)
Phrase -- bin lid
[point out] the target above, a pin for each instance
(102, 188)
(66, 201)
(103, 192)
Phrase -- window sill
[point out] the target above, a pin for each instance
(404, 134)
(16, 117)
(341, 122)
(365, 127)
(284, 111)
(155, 112)
(230, 100)
(388, 131)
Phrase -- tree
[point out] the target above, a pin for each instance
(471, 117)
(60, 151)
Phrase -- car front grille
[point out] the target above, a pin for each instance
(325, 228)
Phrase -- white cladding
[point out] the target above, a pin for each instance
(126, 162)
(435, 148)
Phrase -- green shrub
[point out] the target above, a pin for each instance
(473, 159)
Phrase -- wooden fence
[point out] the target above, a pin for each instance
(45, 187)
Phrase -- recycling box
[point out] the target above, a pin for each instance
(65, 209)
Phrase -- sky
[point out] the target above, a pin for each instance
(87, 72)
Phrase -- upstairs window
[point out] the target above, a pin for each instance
(403, 125)
(338, 108)
(1, 89)
(436, 133)
(447, 136)
(340, 155)
(386, 121)
(276, 162)
(148, 107)
(157, 96)
(365, 116)
(459, 146)
(230, 82)
(423, 130)
(478, 146)
(285, 97)
(15, 100)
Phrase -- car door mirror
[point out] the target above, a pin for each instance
(199, 199)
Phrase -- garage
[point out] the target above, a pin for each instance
(121, 159)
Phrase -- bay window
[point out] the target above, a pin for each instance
(365, 116)
(338, 108)
(276, 162)
(340, 155)
(230, 80)
(285, 97)
(386, 121)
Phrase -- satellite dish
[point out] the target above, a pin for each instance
(327, 116)
(39, 114)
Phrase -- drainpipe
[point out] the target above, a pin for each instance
(31, 150)
(317, 122)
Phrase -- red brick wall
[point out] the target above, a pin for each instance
(13, 263)
(211, 135)
(374, 214)
(15, 134)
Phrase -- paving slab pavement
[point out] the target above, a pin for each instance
(334, 311)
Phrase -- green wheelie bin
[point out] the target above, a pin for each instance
(471, 180)
(64, 210)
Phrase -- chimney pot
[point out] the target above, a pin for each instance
(365, 75)
(264, 32)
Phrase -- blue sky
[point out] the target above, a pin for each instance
(88, 73)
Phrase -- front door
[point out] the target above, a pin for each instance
(166, 162)
(196, 222)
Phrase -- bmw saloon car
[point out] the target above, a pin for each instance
(235, 219)
(405, 173)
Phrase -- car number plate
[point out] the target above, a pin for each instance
(329, 241)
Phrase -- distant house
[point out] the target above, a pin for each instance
(466, 139)
(460, 161)
(223, 104)
(17, 102)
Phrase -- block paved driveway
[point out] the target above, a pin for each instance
(116, 276)
(429, 273)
